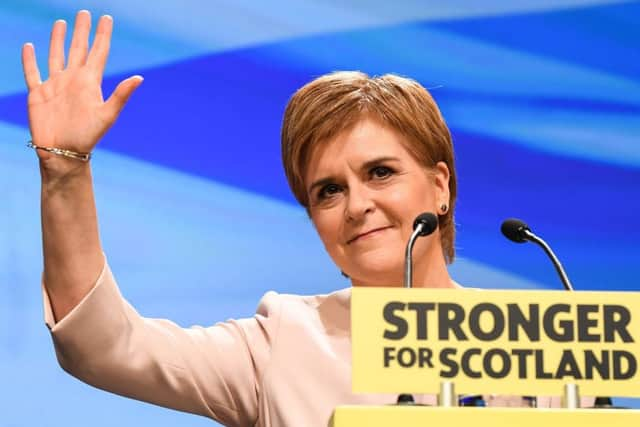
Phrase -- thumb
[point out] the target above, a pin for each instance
(121, 95)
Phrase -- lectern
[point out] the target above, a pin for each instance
(466, 342)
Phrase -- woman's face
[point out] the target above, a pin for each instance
(365, 191)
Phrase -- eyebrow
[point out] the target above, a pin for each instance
(366, 165)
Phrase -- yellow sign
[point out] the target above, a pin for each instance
(420, 416)
(506, 342)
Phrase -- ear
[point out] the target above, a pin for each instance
(441, 181)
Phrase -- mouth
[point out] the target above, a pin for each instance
(366, 234)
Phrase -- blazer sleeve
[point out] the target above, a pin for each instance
(213, 371)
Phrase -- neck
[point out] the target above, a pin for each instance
(430, 271)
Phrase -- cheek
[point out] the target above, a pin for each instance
(418, 197)
(403, 204)
(400, 195)
(328, 225)
(408, 201)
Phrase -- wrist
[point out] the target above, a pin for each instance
(55, 169)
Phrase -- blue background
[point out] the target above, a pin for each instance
(542, 97)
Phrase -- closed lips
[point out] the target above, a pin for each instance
(366, 233)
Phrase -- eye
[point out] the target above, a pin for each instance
(328, 191)
(380, 172)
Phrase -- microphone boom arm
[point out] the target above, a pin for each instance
(554, 259)
(408, 258)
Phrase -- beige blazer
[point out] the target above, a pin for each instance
(289, 365)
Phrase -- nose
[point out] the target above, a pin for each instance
(359, 203)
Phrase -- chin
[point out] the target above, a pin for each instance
(384, 270)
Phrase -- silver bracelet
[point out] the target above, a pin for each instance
(61, 152)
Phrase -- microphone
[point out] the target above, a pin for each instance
(424, 224)
(515, 230)
(518, 231)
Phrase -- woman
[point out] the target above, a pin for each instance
(363, 156)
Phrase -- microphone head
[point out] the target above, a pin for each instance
(515, 230)
(429, 223)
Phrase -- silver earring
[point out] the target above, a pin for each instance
(444, 208)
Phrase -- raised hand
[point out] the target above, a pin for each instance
(68, 110)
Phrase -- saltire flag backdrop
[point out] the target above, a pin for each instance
(542, 97)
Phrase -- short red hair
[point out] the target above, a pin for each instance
(335, 102)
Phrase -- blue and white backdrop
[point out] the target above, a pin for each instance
(542, 96)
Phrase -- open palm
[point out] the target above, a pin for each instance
(68, 110)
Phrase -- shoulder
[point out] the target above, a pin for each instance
(327, 312)
(273, 301)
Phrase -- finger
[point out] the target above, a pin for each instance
(56, 47)
(80, 40)
(30, 66)
(101, 44)
(121, 95)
